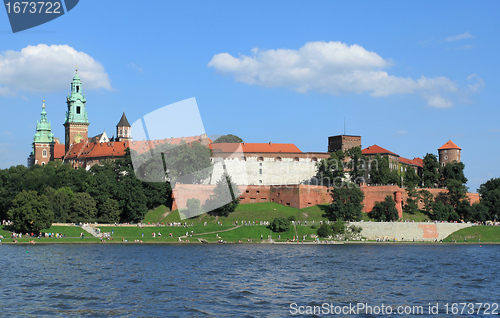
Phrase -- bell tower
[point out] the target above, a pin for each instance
(43, 141)
(123, 129)
(76, 125)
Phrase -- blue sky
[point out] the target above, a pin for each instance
(407, 76)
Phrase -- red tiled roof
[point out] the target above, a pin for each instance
(74, 150)
(142, 146)
(59, 150)
(449, 145)
(419, 161)
(405, 160)
(412, 162)
(373, 150)
(90, 150)
(255, 147)
(104, 150)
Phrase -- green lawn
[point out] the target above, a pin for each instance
(417, 217)
(72, 236)
(265, 211)
(481, 234)
(156, 215)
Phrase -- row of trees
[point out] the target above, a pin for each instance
(36, 196)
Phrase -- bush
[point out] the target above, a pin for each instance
(338, 227)
(291, 218)
(279, 225)
(325, 230)
(355, 229)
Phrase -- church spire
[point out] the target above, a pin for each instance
(43, 128)
(77, 123)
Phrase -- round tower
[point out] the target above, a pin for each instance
(449, 152)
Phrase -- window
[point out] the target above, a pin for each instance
(260, 159)
(44, 153)
(78, 89)
(258, 191)
(260, 171)
(277, 159)
(78, 109)
(247, 191)
(121, 132)
(260, 181)
(296, 159)
(260, 164)
(126, 132)
(314, 159)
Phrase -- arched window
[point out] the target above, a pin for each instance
(260, 159)
(314, 159)
(277, 159)
(121, 132)
(296, 159)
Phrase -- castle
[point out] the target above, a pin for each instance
(78, 149)
(273, 172)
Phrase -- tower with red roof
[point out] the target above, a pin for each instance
(449, 152)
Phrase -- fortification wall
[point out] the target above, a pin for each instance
(408, 231)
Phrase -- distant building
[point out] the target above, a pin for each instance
(449, 152)
(343, 142)
(78, 150)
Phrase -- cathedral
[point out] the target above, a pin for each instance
(78, 149)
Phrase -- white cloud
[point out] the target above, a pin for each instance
(476, 87)
(438, 101)
(329, 67)
(44, 68)
(135, 67)
(462, 36)
(401, 133)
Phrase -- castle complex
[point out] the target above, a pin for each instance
(261, 167)
(78, 149)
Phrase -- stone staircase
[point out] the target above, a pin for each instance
(92, 231)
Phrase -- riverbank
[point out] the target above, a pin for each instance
(255, 234)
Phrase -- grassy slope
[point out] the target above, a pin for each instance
(265, 211)
(476, 233)
(72, 235)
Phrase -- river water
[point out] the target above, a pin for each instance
(246, 280)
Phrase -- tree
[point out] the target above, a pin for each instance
(431, 171)
(452, 171)
(225, 197)
(61, 204)
(279, 225)
(83, 208)
(325, 230)
(330, 171)
(228, 139)
(411, 180)
(110, 211)
(490, 197)
(427, 198)
(193, 208)
(30, 212)
(347, 203)
(188, 163)
(380, 172)
(357, 164)
(442, 212)
(385, 210)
